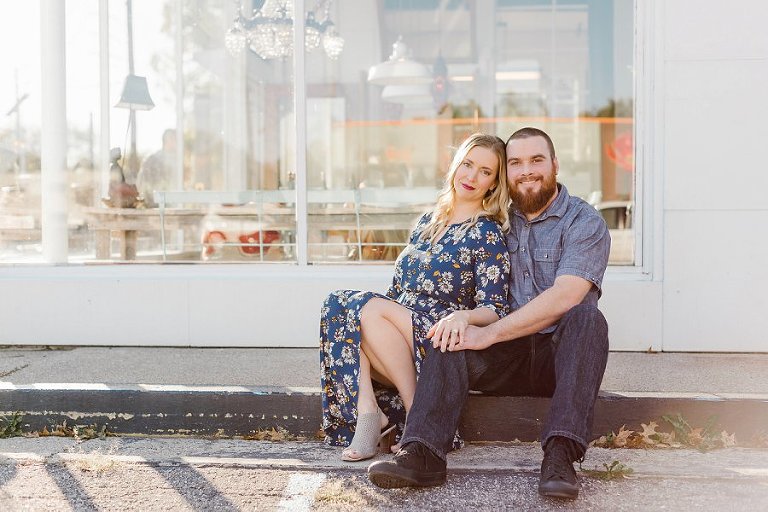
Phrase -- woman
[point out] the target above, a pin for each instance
(456, 261)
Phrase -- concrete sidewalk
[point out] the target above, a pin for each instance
(235, 391)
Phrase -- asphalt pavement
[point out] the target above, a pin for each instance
(128, 474)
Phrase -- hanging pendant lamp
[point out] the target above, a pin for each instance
(135, 94)
(399, 69)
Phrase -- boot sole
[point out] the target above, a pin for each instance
(394, 478)
(560, 491)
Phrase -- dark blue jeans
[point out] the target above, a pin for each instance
(567, 365)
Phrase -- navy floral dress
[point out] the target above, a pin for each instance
(461, 271)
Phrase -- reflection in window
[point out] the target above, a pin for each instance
(376, 154)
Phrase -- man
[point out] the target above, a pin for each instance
(158, 169)
(555, 343)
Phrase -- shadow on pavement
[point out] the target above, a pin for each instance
(195, 488)
(7, 473)
(70, 487)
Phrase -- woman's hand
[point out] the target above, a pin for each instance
(449, 330)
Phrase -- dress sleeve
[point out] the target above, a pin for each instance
(491, 268)
(395, 289)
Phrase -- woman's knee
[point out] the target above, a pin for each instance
(374, 308)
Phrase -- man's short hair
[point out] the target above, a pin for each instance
(528, 131)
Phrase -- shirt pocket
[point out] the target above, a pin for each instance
(545, 261)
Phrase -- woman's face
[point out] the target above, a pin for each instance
(476, 175)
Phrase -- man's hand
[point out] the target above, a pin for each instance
(475, 338)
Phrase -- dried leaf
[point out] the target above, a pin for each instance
(621, 438)
(727, 440)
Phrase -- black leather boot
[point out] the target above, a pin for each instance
(558, 478)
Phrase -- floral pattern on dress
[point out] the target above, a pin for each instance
(463, 270)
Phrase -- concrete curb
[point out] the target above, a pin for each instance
(240, 410)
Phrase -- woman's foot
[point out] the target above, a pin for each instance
(371, 431)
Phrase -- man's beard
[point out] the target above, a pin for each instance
(533, 202)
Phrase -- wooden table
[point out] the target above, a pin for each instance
(124, 223)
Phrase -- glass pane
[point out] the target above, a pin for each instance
(20, 102)
(209, 132)
(563, 66)
(219, 188)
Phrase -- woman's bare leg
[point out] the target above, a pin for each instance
(387, 341)
(386, 351)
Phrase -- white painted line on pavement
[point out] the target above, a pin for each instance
(241, 461)
(299, 493)
(23, 456)
(750, 471)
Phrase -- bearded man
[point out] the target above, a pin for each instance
(555, 343)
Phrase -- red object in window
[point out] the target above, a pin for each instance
(252, 241)
(211, 239)
(621, 151)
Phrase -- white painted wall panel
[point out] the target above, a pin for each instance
(634, 311)
(232, 305)
(91, 306)
(715, 29)
(715, 280)
(272, 307)
(715, 129)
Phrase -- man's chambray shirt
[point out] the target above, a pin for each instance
(568, 238)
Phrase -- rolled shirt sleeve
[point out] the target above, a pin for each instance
(586, 246)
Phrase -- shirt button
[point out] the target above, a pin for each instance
(526, 273)
(522, 249)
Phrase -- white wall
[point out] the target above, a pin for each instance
(715, 209)
(229, 305)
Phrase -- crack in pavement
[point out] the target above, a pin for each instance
(10, 372)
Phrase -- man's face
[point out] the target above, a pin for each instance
(531, 173)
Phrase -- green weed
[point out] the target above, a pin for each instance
(612, 471)
(12, 427)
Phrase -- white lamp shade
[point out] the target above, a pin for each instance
(399, 69)
(399, 72)
(407, 94)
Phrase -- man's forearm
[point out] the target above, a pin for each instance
(482, 316)
(542, 312)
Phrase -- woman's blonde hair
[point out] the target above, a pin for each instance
(496, 202)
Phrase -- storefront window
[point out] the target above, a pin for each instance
(205, 166)
(563, 66)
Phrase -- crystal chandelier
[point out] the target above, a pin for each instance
(269, 31)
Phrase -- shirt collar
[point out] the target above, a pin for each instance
(556, 209)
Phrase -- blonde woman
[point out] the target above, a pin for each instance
(453, 273)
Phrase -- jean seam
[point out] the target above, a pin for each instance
(426, 443)
(563, 433)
